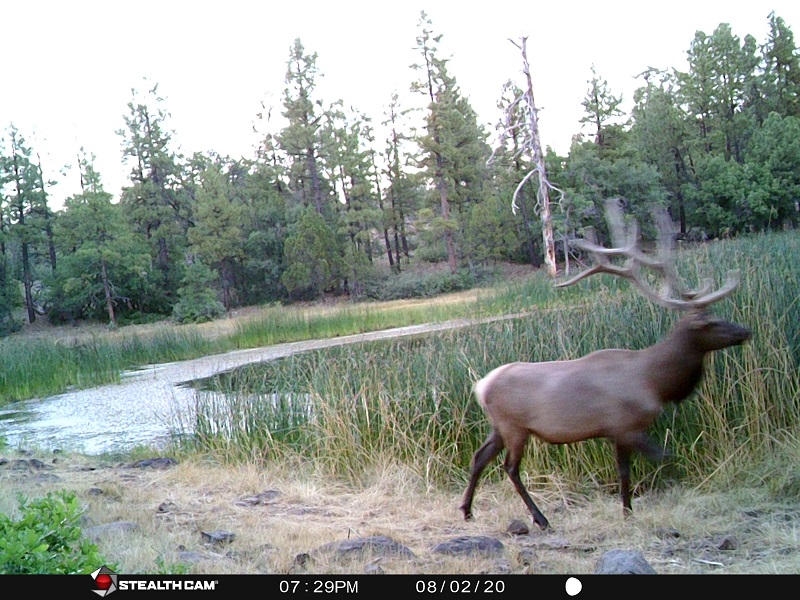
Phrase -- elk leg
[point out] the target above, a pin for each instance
(649, 450)
(624, 470)
(482, 457)
(512, 462)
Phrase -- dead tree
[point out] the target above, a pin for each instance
(526, 128)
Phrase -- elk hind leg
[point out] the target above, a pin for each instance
(482, 457)
(512, 463)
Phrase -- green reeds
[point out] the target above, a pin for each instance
(34, 368)
(410, 400)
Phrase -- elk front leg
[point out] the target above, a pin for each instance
(645, 445)
(624, 470)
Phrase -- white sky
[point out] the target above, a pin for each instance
(75, 61)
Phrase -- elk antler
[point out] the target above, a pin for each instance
(625, 238)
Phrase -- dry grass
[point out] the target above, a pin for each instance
(171, 507)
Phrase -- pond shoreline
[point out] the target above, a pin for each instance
(142, 409)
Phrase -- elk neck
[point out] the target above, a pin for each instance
(674, 366)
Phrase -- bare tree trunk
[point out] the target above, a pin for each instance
(448, 233)
(26, 264)
(112, 318)
(543, 193)
(47, 216)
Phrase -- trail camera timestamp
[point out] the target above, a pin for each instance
(318, 586)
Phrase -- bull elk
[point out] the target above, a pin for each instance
(614, 394)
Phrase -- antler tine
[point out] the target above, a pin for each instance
(626, 241)
(706, 299)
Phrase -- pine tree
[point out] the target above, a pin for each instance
(26, 209)
(601, 107)
(781, 76)
(453, 147)
(401, 192)
(155, 202)
(103, 264)
(216, 234)
(300, 139)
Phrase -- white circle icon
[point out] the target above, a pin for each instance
(573, 586)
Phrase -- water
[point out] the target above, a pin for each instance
(150, 405)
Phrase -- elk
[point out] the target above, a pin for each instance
(613, 393)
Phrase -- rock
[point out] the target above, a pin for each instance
(217, 536)
(373, 569)
(191, 557)
(499, 567)
(20, 464)
(624, 562)
(303, 559)
(266, 497)
(518, 527)
(470, 545)
(166, 507)
(376, 545)
(152, 463)
(729, 542)
(664, 533)
(527, 556)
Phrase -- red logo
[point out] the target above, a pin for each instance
(105, 581)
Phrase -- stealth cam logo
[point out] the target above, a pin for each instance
(106, 581)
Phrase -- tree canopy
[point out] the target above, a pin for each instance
(339, 202)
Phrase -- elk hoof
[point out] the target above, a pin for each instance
(467, 514)
(541, 522)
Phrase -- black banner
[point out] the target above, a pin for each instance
(107, 583)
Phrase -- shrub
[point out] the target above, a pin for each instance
(414, 285)
(47, 538)
(198, 299)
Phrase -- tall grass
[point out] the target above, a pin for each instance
(40, 367)
(345, 408)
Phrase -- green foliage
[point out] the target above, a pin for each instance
(47, 538)
(588, 179)
(9, 301)
(600, 107)
(198, 300)
(492, 231)
(165, 568)
(414, 285)
(102, 262)
(313, 263)
(453, 147)
(39, 368)
(347, 408)
(155, 206)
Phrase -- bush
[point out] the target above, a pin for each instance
(414, 285)
(198, 299)
(47, 538)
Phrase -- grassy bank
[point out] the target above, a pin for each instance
(345, 409)
(46, 365)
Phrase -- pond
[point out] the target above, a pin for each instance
(150, 404)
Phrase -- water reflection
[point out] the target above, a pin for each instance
(106, 419)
